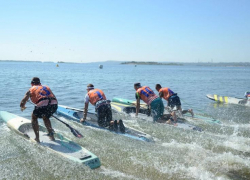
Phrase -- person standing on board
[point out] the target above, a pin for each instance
(45, 105)
(103, 108)
(151, 99)
(172, 99)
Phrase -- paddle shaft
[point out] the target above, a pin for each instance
(74, 109)
(74, 131)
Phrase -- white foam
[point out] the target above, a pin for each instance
(117, 174)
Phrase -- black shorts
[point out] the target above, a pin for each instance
(173, 101)
(46, 111)
(104, 114)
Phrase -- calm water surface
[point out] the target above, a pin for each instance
(219, 152)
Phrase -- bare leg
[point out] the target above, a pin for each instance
(49, 127)
(35, 126)
(174, 116)
(189, 110)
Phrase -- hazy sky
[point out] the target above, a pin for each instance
(125, 30)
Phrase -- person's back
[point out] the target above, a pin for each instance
(45, 105)
(146, 94)
(151, 99)
(172, 99)
(42, 95)
(165, 93)
(102, 107)
(96, 96)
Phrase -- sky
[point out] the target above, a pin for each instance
(125, 30)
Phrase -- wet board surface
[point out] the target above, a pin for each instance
(129, 107)
(229, 100)
(61, 146)
(77, 114)
(198, 117)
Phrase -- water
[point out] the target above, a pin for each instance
(220, 152)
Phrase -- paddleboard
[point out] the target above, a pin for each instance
(61, 146)
(203, 118)
(76, 114)
(129, 107)
(229, 100)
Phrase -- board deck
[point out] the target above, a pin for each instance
(61, 146)
(229, 100)
(77, 114)
(202, 117)
(129, 107)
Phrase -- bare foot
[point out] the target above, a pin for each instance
(82, 120)
(191, 112)
(169, 121)
(52, 138)
(37, 140)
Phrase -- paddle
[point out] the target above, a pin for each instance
(74, 131)
(74, 109)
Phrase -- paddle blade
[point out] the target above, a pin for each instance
(76, 133)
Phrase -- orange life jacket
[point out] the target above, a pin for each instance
(146, 94)
(166, 92)
(96, 95)
(39, 93)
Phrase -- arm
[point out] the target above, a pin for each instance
(53, 95)
(85, 112)
(160, 94)
(137, 106)
(24, 100)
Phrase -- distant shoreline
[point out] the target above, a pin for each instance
(150, 63)
(207, 64)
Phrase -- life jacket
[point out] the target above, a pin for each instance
(166, 92)
(146, 94)
(39, 93)
(96, 95)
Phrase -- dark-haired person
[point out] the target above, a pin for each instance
(151, 99)
(103, 108)
(45, 105)
(172, 99)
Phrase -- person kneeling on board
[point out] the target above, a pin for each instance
(45, 105)
(173, 100)
(103, 108)
(152, 100)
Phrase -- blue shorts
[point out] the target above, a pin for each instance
(173, 101)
